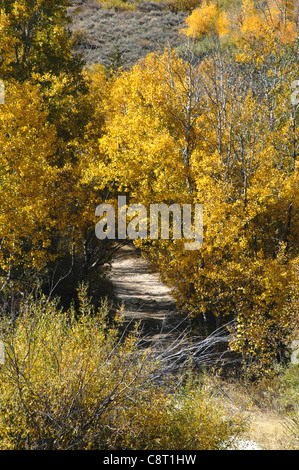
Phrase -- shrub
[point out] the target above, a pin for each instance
(196, 422)
(73, 381)
(289, 401)
(183, 5)
(288, 386)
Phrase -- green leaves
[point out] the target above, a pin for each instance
(33, 38)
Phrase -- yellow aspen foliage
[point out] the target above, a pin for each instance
(55, 219)
(281, 16)
(219, 131)
(144, 142)
(257, 30)
(206, 20)
(266, 28)
(252, 25)
(27, 181)
(47, 206)
(182, 133)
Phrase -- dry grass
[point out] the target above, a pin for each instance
(269, 430)
(270, 424)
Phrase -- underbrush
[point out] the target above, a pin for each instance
(131, 5)
(73, 381)
(270, 406)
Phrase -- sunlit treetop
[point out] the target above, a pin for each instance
(206, 20)
(251, 23)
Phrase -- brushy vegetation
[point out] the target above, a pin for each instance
(272, 403)
(132, 5)
(101, 31)
(288, 386)
(210, 122)
(74, 382)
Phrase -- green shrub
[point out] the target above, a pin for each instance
(289, 400)
(71, 381)
(289, 386)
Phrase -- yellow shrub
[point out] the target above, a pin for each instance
(74, 383)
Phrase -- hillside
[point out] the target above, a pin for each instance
(150, 27)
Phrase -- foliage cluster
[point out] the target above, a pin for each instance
(289, 400)
(72, 381)
(278, 396)
(47, 211)
(219, 128)
(212, 123)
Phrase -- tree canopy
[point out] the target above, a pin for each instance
(210, 123)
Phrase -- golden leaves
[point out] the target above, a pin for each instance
(206, 20)
(26, 175)
(239, 168)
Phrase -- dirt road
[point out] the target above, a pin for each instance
(142, 293)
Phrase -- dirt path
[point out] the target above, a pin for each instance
(142, 293)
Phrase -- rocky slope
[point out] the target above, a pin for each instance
(151, 27)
